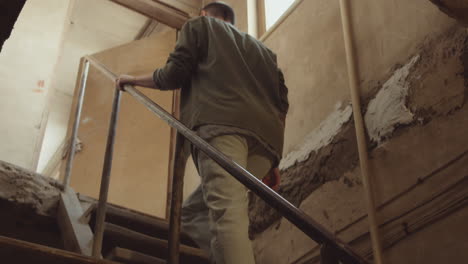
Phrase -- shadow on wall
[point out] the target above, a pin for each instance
(9, 12)
(454, 8)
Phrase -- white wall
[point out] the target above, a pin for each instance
(27, 62)
(94, 25)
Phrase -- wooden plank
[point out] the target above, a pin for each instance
(261, 18)
(147, 29)
(156, 10)
(22, 252)
(77, 235)
(116, 236)
(145, 224)
(132, 257)
(136, 221)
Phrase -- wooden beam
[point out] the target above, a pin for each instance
(77, 235)
(144, 224)
(140, 222)
(117, 236)
(156, 10)
(22, 252)
(147, 29)
(129, 256)
(261, 18)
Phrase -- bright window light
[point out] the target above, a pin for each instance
(274, 9)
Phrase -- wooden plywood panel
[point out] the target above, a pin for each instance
(141, 155)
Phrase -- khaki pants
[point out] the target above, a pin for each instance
(216, 213)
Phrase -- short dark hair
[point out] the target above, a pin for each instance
(221, 9)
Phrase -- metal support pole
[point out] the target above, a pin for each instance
(105, 180)
(76, 124)
(360, 130)
(176, 200)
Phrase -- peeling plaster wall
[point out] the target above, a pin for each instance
(28, 205)
(388, 108)
(28, 189)
(414, 95)
(310, 49)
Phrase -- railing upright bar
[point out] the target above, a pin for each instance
(105, 179)
(76, 123)
(176, 201)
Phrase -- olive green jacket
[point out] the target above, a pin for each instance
(227, 78)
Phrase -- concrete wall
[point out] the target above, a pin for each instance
(411, 59)
(27, 63)
(310, 49)
(141, 156)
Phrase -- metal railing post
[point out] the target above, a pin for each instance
(359, 125)
(176, 200)
(105, 179)
(76, 123)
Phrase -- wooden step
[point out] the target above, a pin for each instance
(127, 256)
(13, 251)
(140, 222)
(117, 236)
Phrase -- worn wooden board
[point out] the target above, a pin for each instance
(116, 236)
(132, 257)
(156, 10)
(14, 251)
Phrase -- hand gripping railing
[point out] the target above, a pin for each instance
(333, 249)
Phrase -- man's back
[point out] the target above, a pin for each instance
(233, 95)
(227, 78)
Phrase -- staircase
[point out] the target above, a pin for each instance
(129, 236)
(136, 238)
(95, 228)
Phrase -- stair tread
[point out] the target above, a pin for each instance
(117, 236)
(137, 221)
(22, 252)
(132, 257)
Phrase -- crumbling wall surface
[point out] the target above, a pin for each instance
(29, 190)
(457, 9)
(417, 120)
(28, 203)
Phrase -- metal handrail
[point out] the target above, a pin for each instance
(296, 216)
